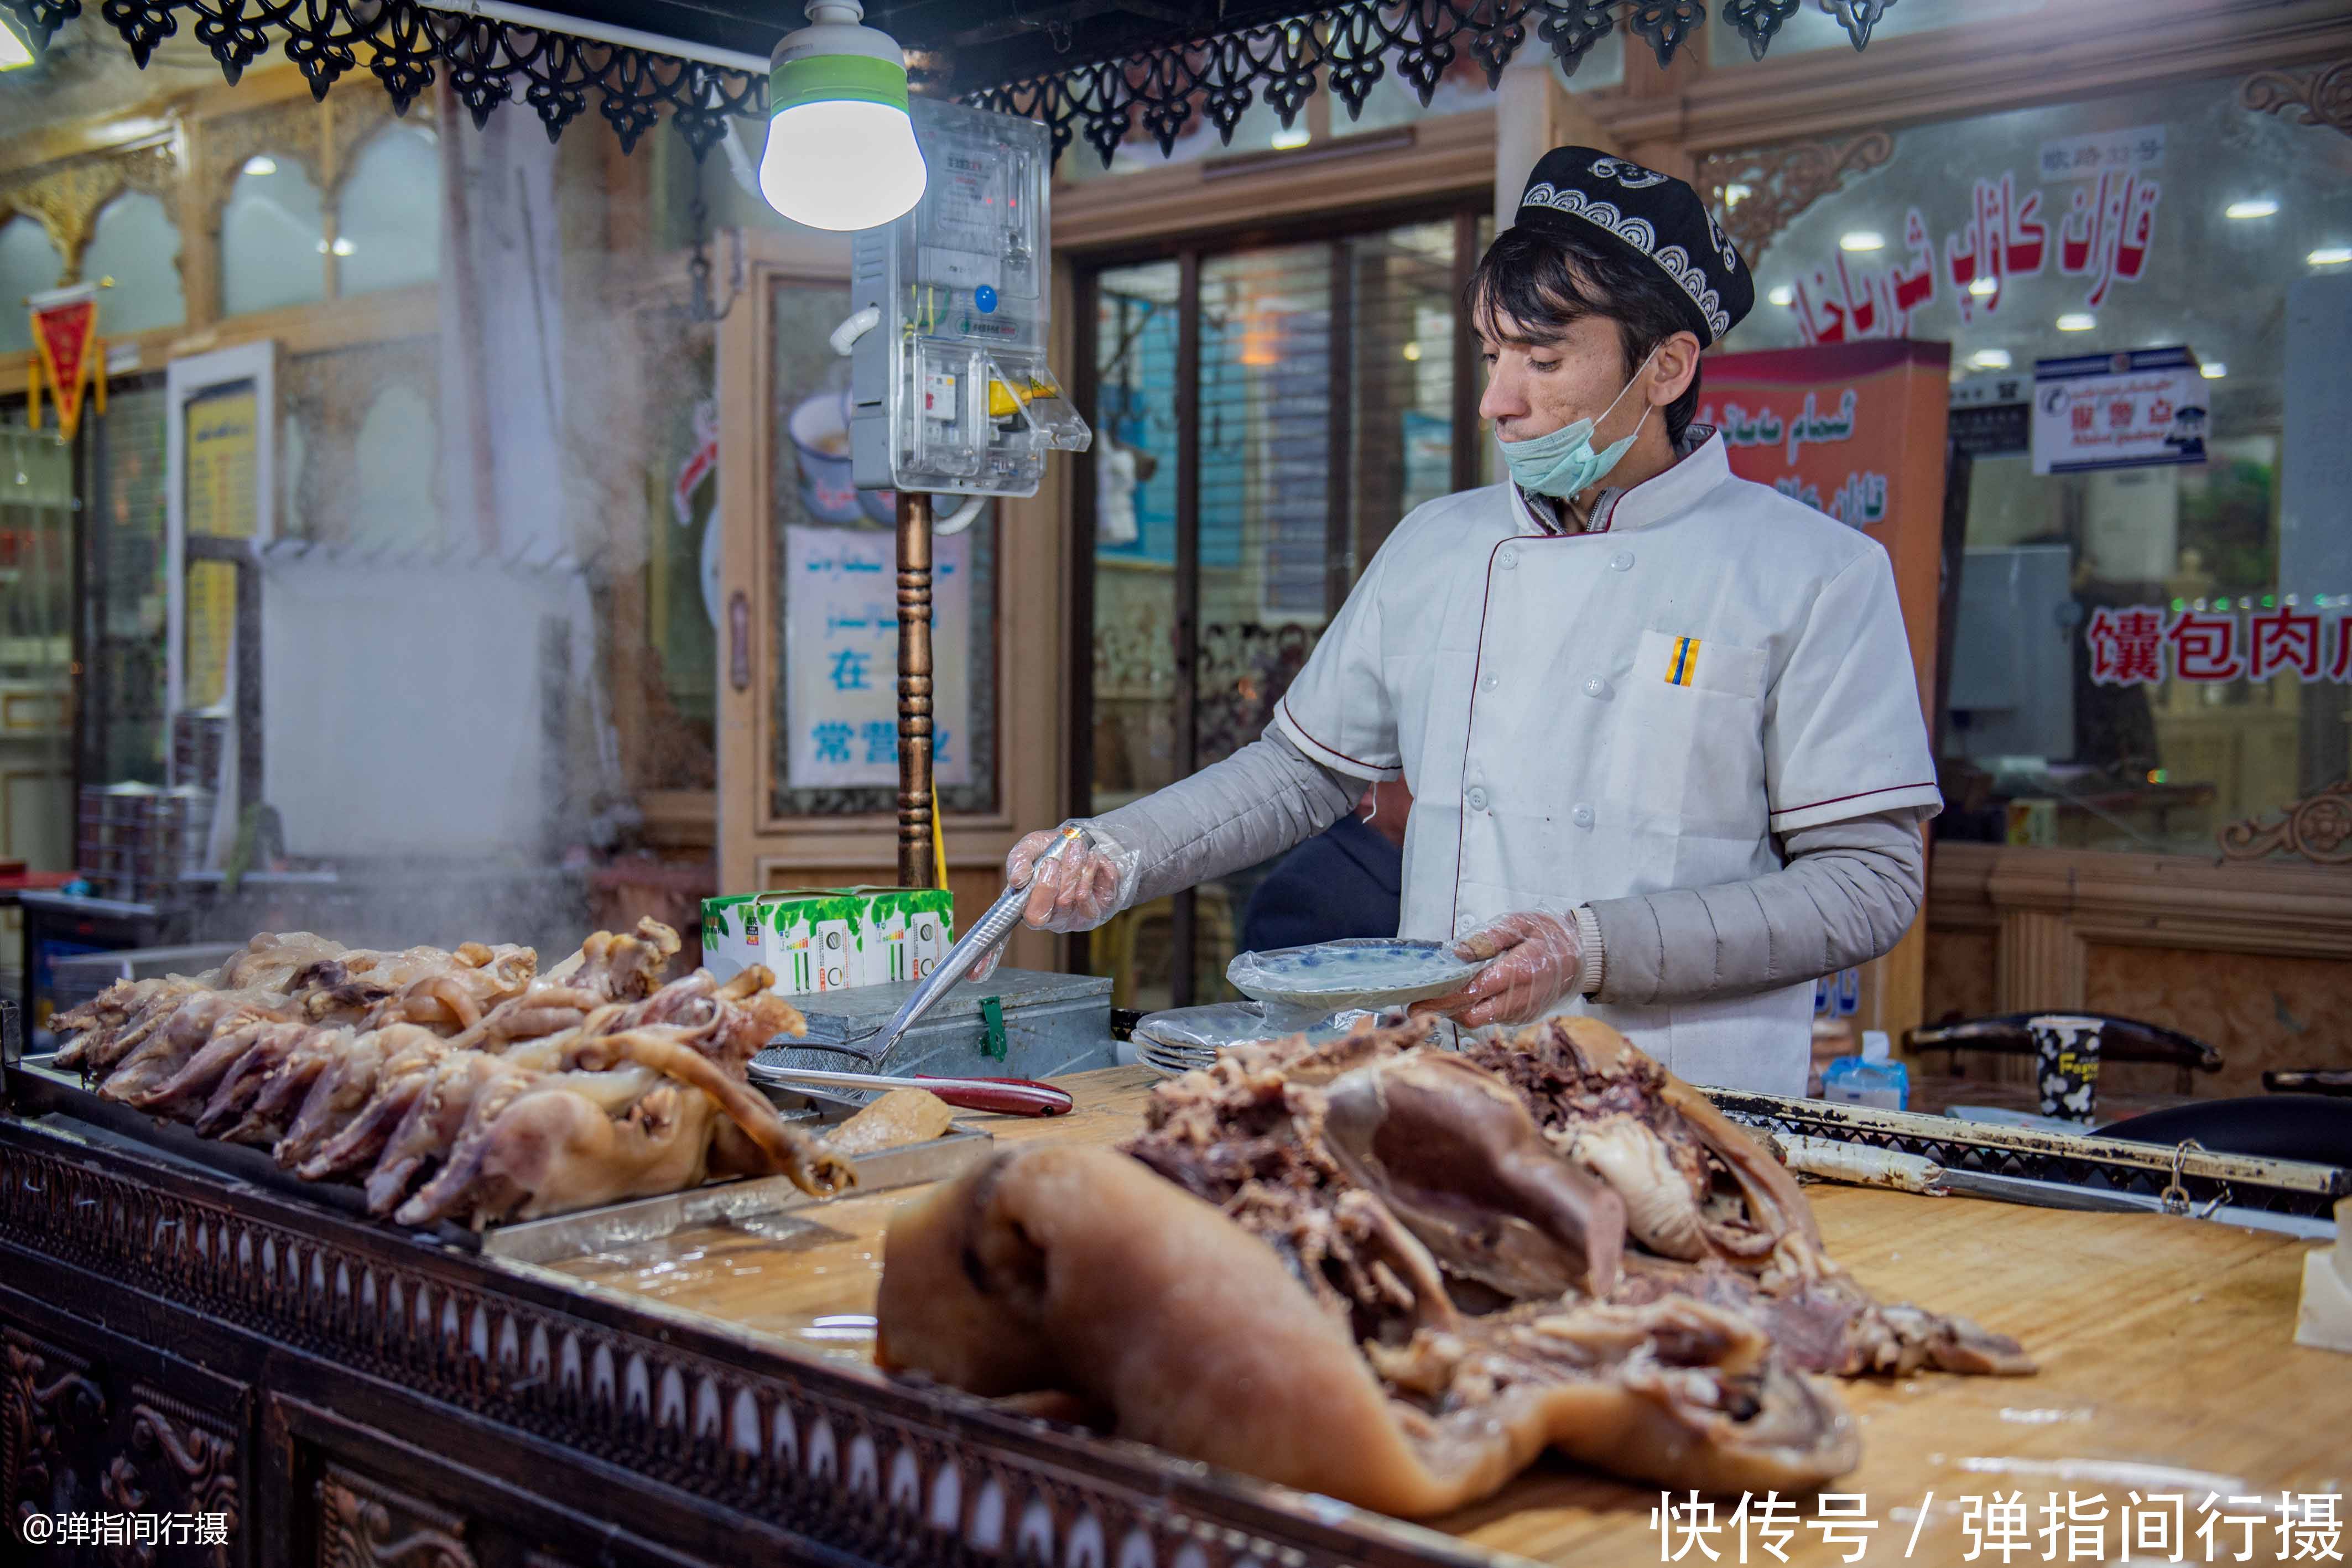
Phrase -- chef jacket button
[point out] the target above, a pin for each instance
(1621, 561)
(1490, 683)
(1509, 559)
(1594, 686)
(1477, 799)
(1582, 816)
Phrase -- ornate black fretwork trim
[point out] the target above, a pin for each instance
(1348, 46)
(408, 45)
(1352, 47)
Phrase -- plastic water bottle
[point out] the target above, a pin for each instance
(1874, 1078)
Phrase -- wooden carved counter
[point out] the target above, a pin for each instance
(357, 1399)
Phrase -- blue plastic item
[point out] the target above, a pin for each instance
(1874, 1078)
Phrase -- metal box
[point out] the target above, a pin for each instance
(1053, 1023)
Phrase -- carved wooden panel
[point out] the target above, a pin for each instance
(2318, 828)
(53, 1418)
(2322, 96)
(177, 1460)
(1776, 184)
(66, 197)
(878, 1472)
(80, 1435)
(323, 138)
(364, 1523)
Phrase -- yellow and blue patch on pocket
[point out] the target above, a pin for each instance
(1697, 664)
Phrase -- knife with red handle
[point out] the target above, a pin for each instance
(1007, 1096)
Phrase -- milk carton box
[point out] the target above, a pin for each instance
(803, 935)
(732, 938)
(824, 939)
(930, 927)
(810, 942)
(901, 932)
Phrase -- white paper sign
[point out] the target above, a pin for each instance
(2118, 411)
(841, 658)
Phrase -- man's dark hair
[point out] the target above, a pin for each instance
(1547, 283)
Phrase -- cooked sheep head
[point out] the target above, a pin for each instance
(1079, 1272)
(1456, 1157)
(1695, 1186)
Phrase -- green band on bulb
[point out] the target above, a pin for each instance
(819, 78)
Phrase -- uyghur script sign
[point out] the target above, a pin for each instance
(1858, 500)
(2102, 234)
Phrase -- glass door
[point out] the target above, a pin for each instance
(1264, 416)
(36, 599)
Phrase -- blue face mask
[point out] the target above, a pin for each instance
(1563, 464)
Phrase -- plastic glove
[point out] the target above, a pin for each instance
(1087, 885)
(1536, 961)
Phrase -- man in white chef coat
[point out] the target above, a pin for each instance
(1660, 723)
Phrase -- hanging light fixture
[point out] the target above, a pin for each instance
(840, 150)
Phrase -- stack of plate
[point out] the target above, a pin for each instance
(1176, 1041)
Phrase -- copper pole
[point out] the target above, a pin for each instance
(914, 689)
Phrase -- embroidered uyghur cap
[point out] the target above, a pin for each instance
(1582, 191)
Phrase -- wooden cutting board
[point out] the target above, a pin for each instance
(2167, 1348)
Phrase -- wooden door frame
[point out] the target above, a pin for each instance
(758, 848)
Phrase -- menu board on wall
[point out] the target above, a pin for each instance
(223, 434)
(841, 658)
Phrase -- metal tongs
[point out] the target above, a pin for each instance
(1005, 1096)
(973, 945)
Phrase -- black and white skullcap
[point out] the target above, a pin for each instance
(1580, 191)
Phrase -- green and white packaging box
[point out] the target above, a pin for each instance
(823, 939)
(902, 931)
(804, 937)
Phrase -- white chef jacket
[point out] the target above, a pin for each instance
(1638, 707)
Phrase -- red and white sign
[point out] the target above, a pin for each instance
(2118, 411)
(2105, 235)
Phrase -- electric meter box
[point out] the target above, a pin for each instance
(949, 389)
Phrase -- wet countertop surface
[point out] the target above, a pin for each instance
(2166, 1349)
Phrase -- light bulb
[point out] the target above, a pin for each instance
(839, 163)
(840, 150)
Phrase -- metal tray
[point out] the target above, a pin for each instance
(39, 1091)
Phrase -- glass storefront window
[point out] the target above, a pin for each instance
(2142, 655)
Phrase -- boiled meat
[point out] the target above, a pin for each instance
(1079, 1270)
